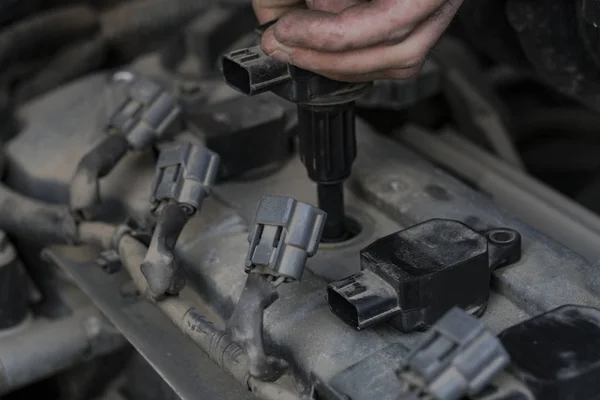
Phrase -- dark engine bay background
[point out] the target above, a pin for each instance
(516, 79)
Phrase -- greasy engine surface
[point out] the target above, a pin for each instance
(168, 244)
(391, 188)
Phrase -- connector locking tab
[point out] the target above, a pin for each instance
(286, 233)
(458, 356)
(149, 113)
(184, 174)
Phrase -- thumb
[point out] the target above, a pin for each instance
(332, 6)
(268, 10)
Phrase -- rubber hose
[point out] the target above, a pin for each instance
(72, 62)
(84, 189)
(134, 27)
(33, 220)
(14, 10)
(48, 346)
(47, 31)
(588, 33)
(97, 233)
(564, 122)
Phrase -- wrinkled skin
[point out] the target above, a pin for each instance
(355, 40)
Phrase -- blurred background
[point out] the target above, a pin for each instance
(536, 63)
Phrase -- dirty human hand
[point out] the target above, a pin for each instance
(355, 40)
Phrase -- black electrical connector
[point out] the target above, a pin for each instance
(557, 354)
(412, 277)
(326, 127)
(251, 135)
(252, 72)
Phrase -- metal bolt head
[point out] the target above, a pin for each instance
(123, 76)
(190, 88)
(129, 291)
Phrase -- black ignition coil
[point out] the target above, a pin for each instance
(326, 123)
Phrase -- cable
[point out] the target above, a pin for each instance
(213, 341)
(128, 27)
(45, 31)
(72, 62)
(84, 189)
(34, 220)
(565, 122)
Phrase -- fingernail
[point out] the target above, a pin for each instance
(280, 55)
(274, 48)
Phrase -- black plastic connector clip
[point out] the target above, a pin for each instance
(184, 175)
(286, 233)
(147, 114)
(557, 354)
(252, 72)
(251, 135)
(412, 277)
(457, 357)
